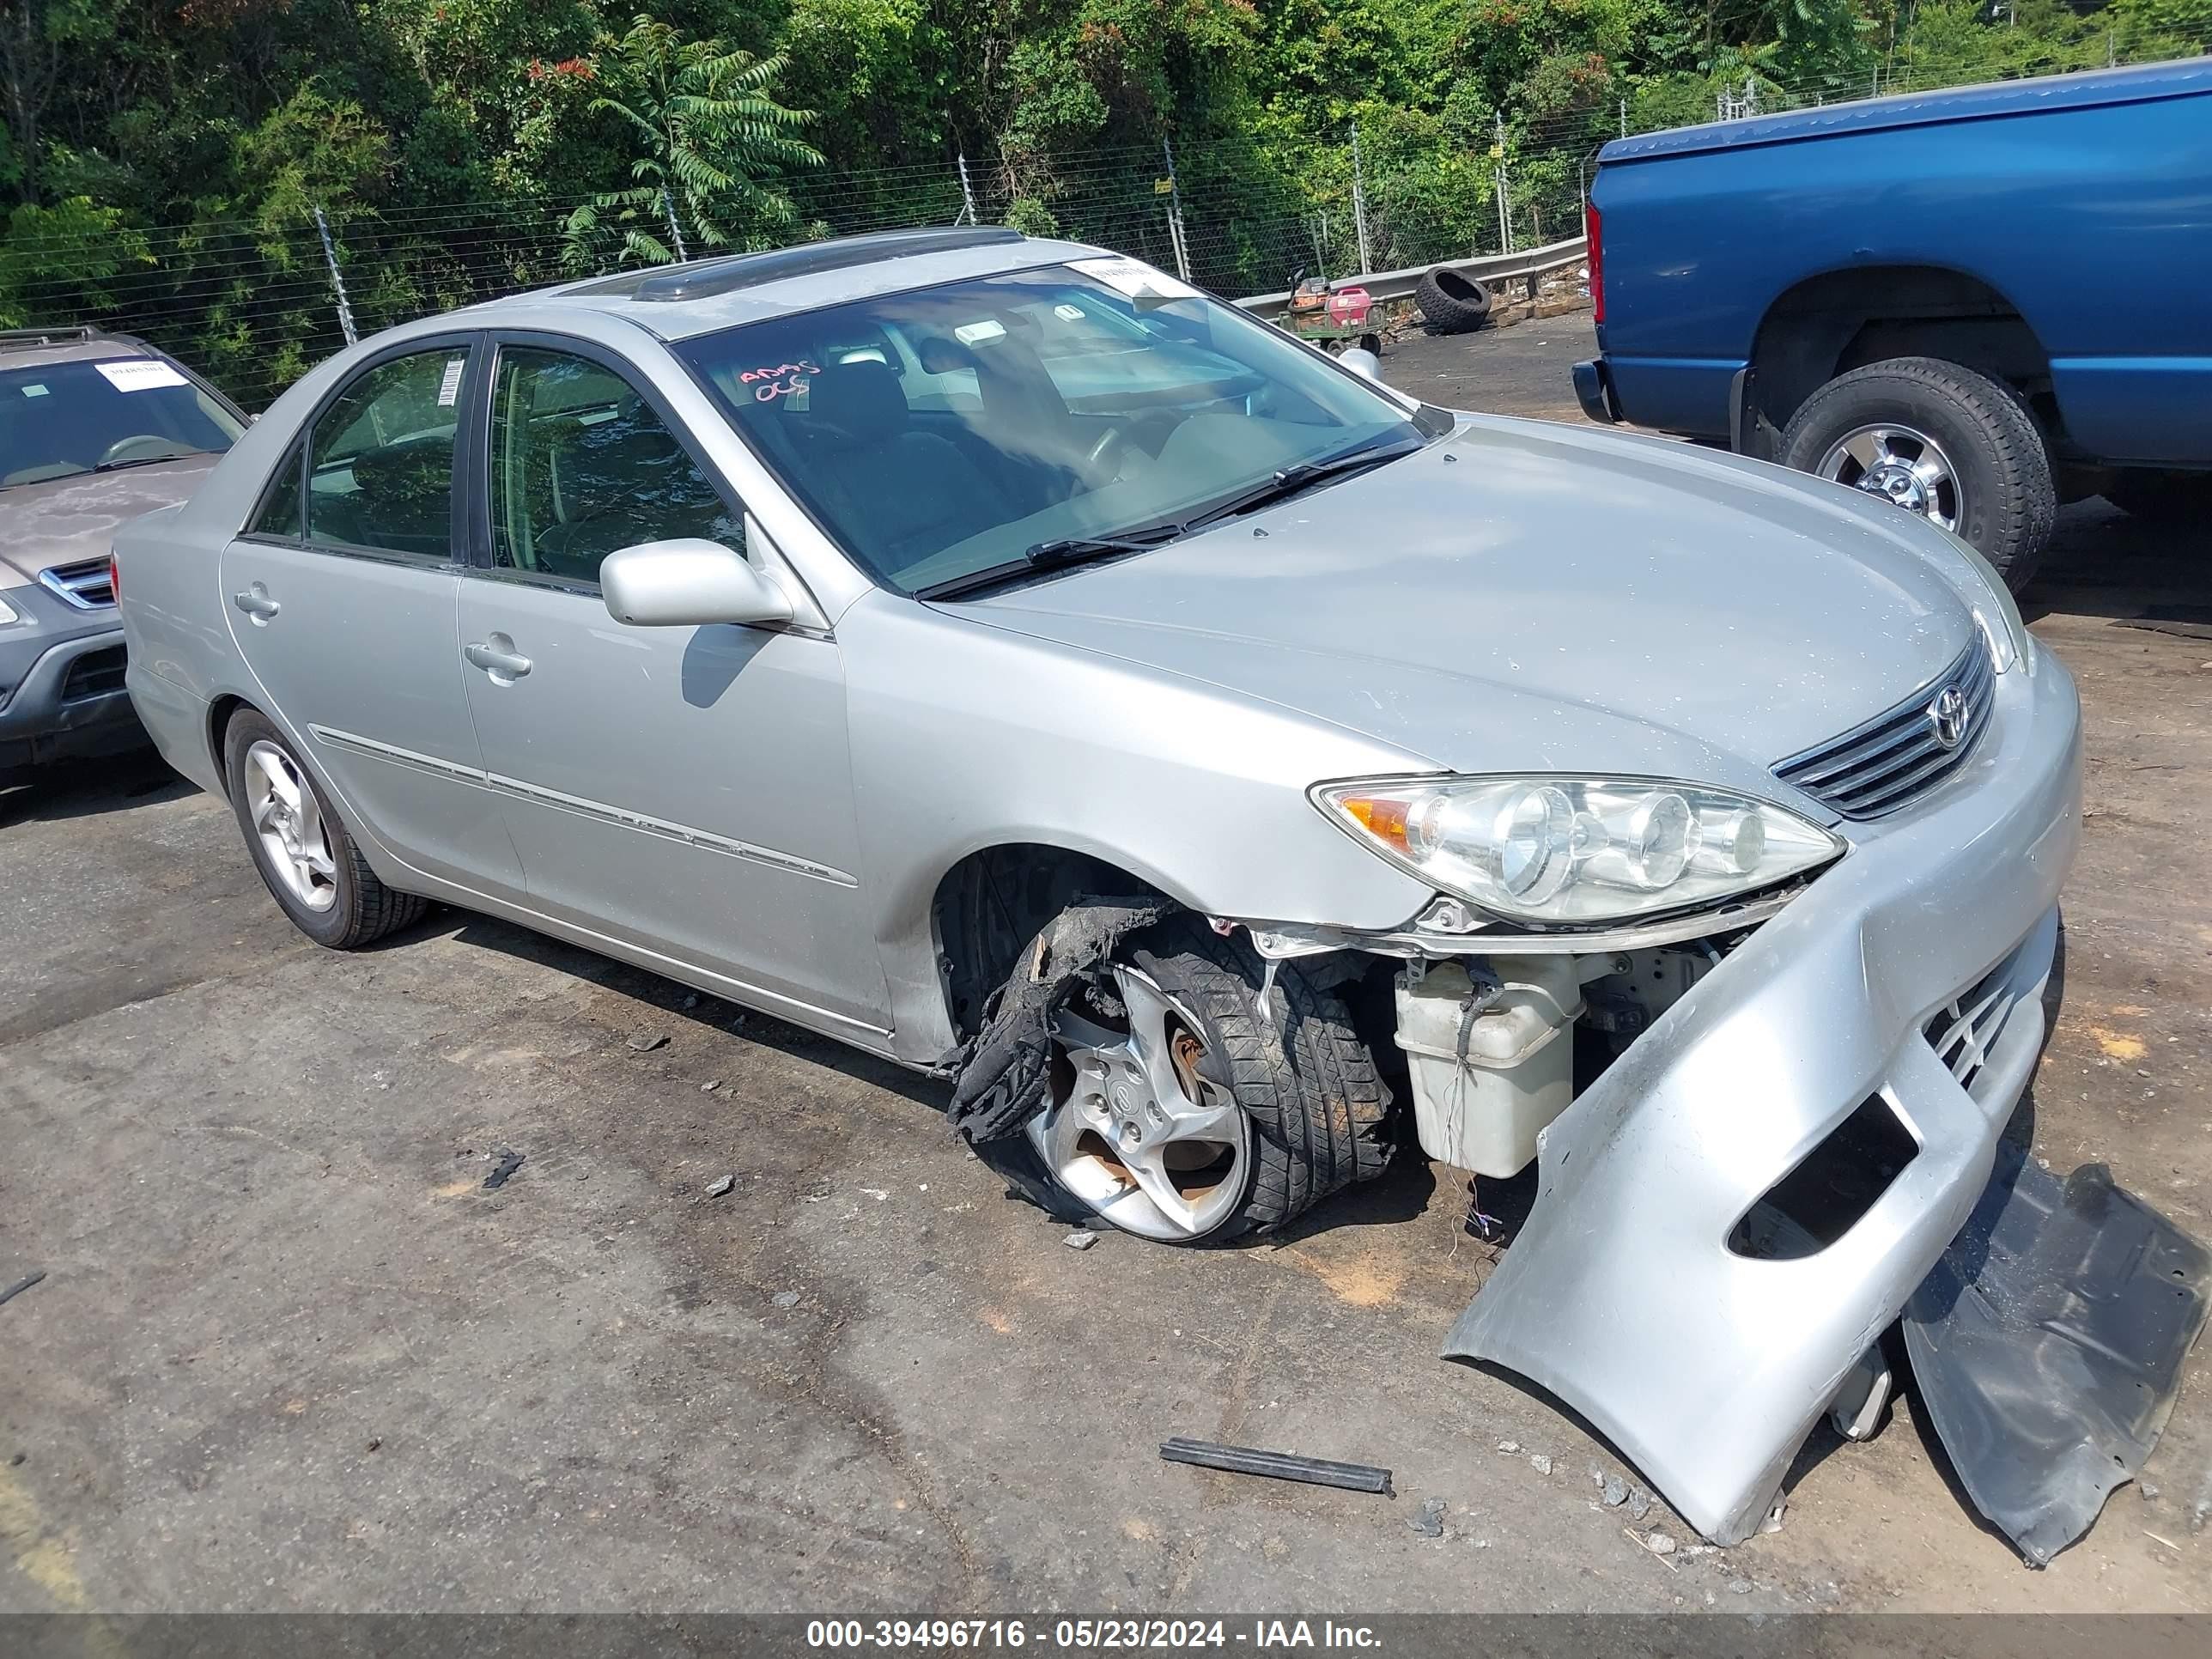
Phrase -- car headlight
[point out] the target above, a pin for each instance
(1562, 849)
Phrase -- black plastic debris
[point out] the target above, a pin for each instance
(2048, 1344)
(22, 1286)
(506, 1164)
(1276, 1466)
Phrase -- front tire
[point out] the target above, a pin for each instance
(312, 865)
(1185, 1116)
(1938, 438)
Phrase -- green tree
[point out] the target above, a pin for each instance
(711, 144)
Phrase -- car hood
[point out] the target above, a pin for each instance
(1524, 596)
(68, 521)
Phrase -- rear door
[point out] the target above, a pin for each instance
(343, 593)
(686, 790)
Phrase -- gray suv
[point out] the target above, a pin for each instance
(95, 428)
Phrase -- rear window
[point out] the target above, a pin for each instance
(57, 420)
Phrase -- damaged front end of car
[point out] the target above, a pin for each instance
(1799, 1104)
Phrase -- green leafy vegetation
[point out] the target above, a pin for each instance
(162, 161)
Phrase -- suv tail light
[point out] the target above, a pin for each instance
(1596, 262)
(115, 578)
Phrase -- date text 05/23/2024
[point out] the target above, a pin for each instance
(1258, 1635)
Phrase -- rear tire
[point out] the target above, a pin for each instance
(328, 890)
(2007, 496)
(1451, 303)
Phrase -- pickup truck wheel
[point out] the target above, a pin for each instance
(1187, 1117)
(299, 845)
(1936, 439)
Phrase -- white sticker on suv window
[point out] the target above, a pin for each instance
(449, 389)
(30, 390)
(1134, 277)
(139, 374)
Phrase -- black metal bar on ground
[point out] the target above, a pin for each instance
(22, 1286)
(1276, 1466)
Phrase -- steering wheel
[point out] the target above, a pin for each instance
(146, 446)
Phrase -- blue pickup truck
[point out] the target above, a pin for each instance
(1979, 303)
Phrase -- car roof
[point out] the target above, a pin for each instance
(35, 348)
(2136, 84)
(677, 302)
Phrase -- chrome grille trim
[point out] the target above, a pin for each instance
(86, 585)
(1889, 761)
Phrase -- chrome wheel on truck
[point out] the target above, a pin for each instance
(1940, 440)
(1906, 468)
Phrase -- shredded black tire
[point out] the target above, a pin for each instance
(1304, 1079)
(1451, 303)
(366, 909)
(2005, 476)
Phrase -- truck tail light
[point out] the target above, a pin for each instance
(1590, 225)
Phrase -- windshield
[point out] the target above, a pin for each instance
(951, 430)
(60, 419)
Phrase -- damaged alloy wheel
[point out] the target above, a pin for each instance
(1179, 1111)
(1135, 1129)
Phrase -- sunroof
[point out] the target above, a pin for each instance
(703, 277)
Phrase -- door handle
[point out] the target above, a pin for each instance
(498, 659)
(256, 603)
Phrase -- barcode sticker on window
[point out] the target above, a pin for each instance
(139, 374)
(449, 389)
(1134, 278)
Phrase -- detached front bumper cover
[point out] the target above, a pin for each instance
(1622, 1295)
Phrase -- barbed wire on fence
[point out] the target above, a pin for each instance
(255, 301)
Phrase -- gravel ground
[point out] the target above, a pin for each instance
(291, 1353)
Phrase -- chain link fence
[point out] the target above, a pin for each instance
(254, 303)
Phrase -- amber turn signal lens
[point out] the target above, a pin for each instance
(1380, 817)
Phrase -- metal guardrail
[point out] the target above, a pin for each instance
(1490, 267)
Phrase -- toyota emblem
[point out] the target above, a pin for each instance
(1947, 717)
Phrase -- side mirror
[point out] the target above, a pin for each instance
(687, 582)
(1363, 363)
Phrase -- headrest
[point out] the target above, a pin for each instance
(862, 399)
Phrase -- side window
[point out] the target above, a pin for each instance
(280, 511)
(581, 465)
(381, 472)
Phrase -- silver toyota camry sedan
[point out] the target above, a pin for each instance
(1223, 768)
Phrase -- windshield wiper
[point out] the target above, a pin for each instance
(1057, 554)
(1304, 476)
(146, 460)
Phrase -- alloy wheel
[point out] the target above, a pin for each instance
(1901, 465)
(289, 821)
(1134, 1129)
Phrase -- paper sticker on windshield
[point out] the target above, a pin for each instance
(33, 390)
(449, 389)
(1134, 278)
(139, 374)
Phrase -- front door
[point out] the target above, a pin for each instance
(686, 790)
(343, 593)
